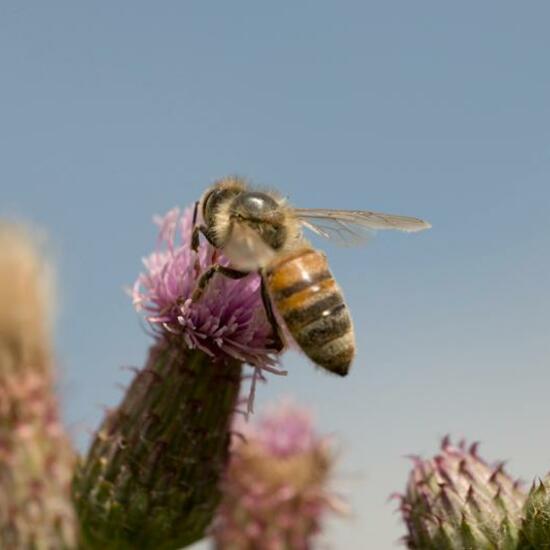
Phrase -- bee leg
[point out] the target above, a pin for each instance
(197, 230)
(195, 234)
(195, 212)
(206, 277)
(195, 237)
(278, 344)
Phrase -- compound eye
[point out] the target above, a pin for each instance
(256, 206)
(212, 201)
(206, 204)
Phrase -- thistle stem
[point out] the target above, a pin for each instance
(151, 476)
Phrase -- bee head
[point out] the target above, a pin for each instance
(220, 193)
(262, 213)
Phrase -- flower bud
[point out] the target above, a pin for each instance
(456, 500)
(36, 458)
(535, 528)
(275, 493)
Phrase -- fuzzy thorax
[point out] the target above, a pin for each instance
(252, 227)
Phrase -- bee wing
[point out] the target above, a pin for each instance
(353, 227)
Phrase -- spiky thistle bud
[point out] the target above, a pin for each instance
(36, 459)
(456, 501)
(535, 527)
(275, 491)
(151, 477)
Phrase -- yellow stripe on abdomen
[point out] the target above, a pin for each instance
(310, 302)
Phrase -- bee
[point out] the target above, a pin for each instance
(259, 231)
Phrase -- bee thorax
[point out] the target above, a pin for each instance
(246, 249)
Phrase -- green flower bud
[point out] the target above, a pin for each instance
(456, 501)
(535, 528)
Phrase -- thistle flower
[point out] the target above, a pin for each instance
(228, 321)
(151, 476)
(275, 492)
(36, 459)
(456, 501)
(535, 527)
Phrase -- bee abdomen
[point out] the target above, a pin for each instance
(310, 302)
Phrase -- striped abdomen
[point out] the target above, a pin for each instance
(306, 296)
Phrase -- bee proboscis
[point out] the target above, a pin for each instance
(259, 231)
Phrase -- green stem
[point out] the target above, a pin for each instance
(151, 476)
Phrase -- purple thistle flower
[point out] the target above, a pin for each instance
(283, 431)
(152, 473)
(275, 493)
(227, 321)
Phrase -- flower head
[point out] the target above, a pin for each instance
(275, 489)
(153, 471)
(285, 430)
(36, 457)
(456, 500)
(228, 321)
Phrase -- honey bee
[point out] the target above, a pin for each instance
(259, 231)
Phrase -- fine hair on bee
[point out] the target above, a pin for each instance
(259, 231)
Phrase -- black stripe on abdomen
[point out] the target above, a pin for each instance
(302, 284)
(302, 316)
(334, 324)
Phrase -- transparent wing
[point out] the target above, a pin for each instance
(353, 227)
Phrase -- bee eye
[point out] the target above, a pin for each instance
(212, 201)
(205, 204)
(255, 205)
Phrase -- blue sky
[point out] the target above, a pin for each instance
(110, 113)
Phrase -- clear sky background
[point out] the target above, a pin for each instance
(111, 112)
